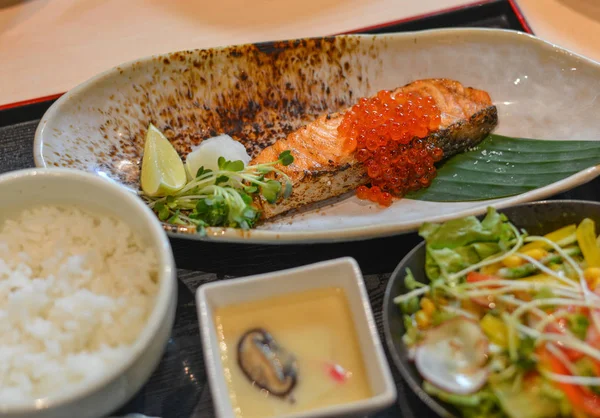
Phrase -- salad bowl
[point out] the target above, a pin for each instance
(537, 218)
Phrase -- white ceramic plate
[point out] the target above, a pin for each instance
(258, 92)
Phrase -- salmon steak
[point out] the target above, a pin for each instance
(327, 163)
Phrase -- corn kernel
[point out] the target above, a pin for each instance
(537, 253)
(592, 276)
(428, 306)
(513, 261)
(422, 319)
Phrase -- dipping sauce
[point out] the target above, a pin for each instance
(316, 327)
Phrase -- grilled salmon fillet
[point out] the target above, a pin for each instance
(322, 168)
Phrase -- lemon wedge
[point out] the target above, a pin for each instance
(163, 172)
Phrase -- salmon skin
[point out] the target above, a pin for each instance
(323, 169)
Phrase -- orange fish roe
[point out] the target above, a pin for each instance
(386, 134)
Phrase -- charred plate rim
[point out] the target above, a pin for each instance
(353, 232)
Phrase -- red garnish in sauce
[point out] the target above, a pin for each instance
(337, 373)
(386, 134)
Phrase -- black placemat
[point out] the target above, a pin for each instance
(178, 388)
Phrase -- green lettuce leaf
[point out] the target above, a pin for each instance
(463, 231)
(459, 243)
(432, 269)
(527, 401)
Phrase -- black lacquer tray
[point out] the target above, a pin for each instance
(178, 388)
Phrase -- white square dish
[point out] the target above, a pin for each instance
(343, 273)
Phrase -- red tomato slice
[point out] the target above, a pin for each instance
(560, 326)
(473, 277)
(572, 354)
(581, 398)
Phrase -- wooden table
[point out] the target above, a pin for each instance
(49, 46)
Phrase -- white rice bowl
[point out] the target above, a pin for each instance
(76, 290)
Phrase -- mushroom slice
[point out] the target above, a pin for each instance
(266, 364)
(452, 356)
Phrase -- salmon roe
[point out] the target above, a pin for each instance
(386, 132)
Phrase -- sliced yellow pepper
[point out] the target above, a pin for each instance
(491, 269)
(592, 277)
(541, 278)
(495, 329)
(554, 236)
(513, 261)
(586, 238)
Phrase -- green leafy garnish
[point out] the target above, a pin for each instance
(234, 166)
(502, 166)
(162, 211)
(222, 179)
(270, 190)
(202, 171)
(224, 197)
(221, 163)
(286, 158)
(226, 165)
(174, 219)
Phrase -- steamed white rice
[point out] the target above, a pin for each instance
(76, 289)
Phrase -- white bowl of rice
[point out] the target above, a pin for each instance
(87, 294)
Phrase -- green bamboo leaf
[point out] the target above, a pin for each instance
(502, 166)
